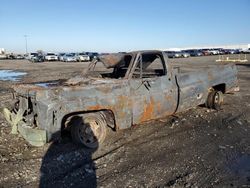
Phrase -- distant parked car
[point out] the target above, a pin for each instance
(92, 55)
(229, 51)
(30, 55)
(170, 54)
(69, 57)
(15, 56)
(173, 54)
(205, 52)
(19, 56)
(194, 53)
(236, 51)
(185, 54)
(213, 52)
(3, 56)
(51, 57)
(221, 51)
(82, 57)
(177, 54)
(210, 51)
(232, 51)
(37, 58)
(11, 56)
(33, 54)
(60, 56)
(245, 51)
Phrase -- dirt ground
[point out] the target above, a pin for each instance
(196, 148)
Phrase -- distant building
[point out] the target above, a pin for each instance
(235, 46)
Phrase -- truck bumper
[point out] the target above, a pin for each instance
(36, 137)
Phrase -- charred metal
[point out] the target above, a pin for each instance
(137, 87)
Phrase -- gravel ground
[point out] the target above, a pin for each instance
(196, 148)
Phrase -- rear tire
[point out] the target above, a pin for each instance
(214, 100)
(89, 129)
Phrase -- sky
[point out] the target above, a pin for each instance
(112, 25)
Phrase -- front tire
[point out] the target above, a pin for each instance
(214, 100)
(89, 129)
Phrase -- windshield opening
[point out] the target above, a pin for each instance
(116, 72)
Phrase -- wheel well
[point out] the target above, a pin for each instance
(220, 87)
(107, 114)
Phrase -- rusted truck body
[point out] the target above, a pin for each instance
(141, 86)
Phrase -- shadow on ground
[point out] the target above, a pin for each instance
(68, 165)
(244, 65)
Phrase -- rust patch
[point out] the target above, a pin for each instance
(97, 107)
(148, 111)
(168, 97)
(120, 108)
(159, 107)
(122, 104)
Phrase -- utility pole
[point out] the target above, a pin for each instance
(26, 43)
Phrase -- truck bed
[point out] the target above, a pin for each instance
(194, 67)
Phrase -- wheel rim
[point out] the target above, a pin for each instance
(90, 131)
(217, 98)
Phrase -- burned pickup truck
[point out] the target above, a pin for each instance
(140, 86)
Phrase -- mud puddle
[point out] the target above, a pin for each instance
(48, 84)
(10, 75)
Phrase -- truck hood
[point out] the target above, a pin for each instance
(73, 83)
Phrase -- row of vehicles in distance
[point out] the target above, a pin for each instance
(65, 57)
(203, 52)
(89, 56)
(12, 56)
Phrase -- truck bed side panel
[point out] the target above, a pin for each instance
(194, 86)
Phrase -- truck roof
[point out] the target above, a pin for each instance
(111, 60)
